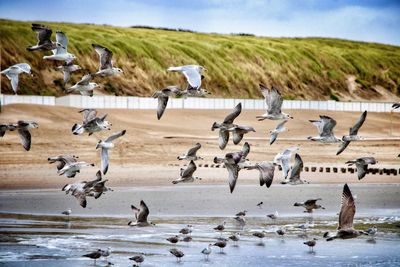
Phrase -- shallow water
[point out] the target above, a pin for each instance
(43, 237)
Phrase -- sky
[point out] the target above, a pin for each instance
(361, 20)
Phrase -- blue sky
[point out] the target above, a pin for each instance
(368, 20)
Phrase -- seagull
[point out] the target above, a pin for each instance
(187, 239)
(91, 123)
(220, 227)
(279, 129)
(284, 158)
(138, 259)
(94, 255)
(309, 205)
(260, 235)
(207, 251)
(274, 102)
(372, 231)
(260, 204)
(67, 212)
(23, 128)
(241, 220)
(106, 68)
(266, 170)
(280, 232)
(242, 213)
(13, 72)
(311, 243)
(194, 92)
(352, 133)
(346, 217)
(60, 53)
(396, 106)
(191, 154)
(163, 96)
(235, 238)
(238, 132)
(44, 38)
(187, 174)
(67, 68)
(225, 125)
(187, 230)
(105, 146)
(177, 253)
(62, 160)
(141, 215)
(192, 74)
(362, 165)
(106, 253)
(297, 168)
(325, 130)
(7, 127)
(273, 216)
(221, 244)
(173, 239)
(233, 163)
(70, 165)
(84, 86)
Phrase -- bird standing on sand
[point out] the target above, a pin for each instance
(177, 253)
(173, 239)
(91, 123)
(309, 205)
(260, 235)
(163, 97)
(85, 87)
(105, 146)
(138, 259)
(235, 238)
(325, 127)
(191, 154)
(362, 165)
(207, 251)
(67, 212)
(226, 125)
(274, 102)
(372, 231)
(187, 174)
(94, 255)
(311, 243)
(352, 133)
(141, 215)
(220, 227)
(12, 73)
(279, 129)
(106, 67)
(187, 230)
(221, 244)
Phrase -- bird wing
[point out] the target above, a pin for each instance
(343, 146)
(327, 125)
(347, 210)
(25, 67)
(62, 39)
(193, 76)
(359, 123)
(279, 127)
(192, 152)
(188, 172)
(25, 136)
(237, 136)
(361, 169)
(368, 160)
(275, 101)
(14, 82)
(223, 138)
(85, 79)
(162, 104)
(43, 33)
(105, 56)
(88, 114)
(273, 137)
(232, 116)
(297, 168)
(311, 201)
(285, 167)
(80, 195)
(143, 213)
(233, 173)
(104, 160)
(266, 173)
(245, 150)
(115, 136)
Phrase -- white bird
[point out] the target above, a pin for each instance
(187, 174)
(191, 154)
(294, 177)
(352, 133)
(284, 159)
(163, 96)
(141, 215)
(91, 124)
(279, 129)
(68, 165)
(60, 53)
(106, 65)
(67, 212)
(13, 72)
(362, 165)
(67, 68)
(274, 102)
(207, 251)
(266, 170)
(105, 146)
(192, 74)
(325, 130)
(84, 86)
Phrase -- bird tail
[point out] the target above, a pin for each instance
(180, 158)
(77, 129)
(175, 182)
(330, 238)
(297, 204)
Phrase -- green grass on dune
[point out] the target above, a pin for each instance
(304, 68)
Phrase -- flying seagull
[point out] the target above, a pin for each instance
(60, 53)
(187, 174)
(91, 123)
(192, 74)
(325, 130)
(23, 128)
(362, 165)
(309, 205)
(13, 72)
(396, 106)
(238, 131)
(352, 133)
(274, 102)
(191, 154)
(266, 170)
(44, 39)
(163, 96)
(141, 215)
(346, 217)
(68, 164)
(106, 68)
(225, 125)
(279, 129)
(294, 177)
(85, 87)
(105, 146)
(233, 163)
(284, 159)
(67, 67)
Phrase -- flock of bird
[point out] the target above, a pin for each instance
(70, 166)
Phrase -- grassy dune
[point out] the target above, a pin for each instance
(304, 68)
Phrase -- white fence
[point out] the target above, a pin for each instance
(133, 102)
